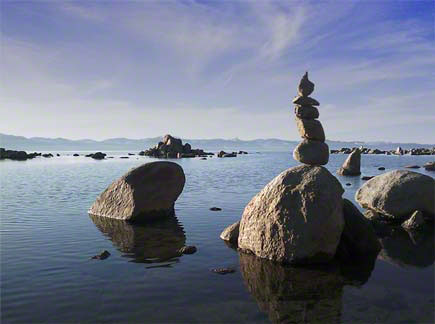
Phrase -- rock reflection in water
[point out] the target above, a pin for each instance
(155, 242)
(408, 248)
(294, 295)
(301, 294)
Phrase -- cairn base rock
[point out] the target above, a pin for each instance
(297, 218)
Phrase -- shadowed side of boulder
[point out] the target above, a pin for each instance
(144, 193)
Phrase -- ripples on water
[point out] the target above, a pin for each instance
(47, 238)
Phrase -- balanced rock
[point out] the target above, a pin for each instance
(398, 193)
(231, 233)
(296, 218)
(306, 87)
(307, 112)
(310, 129)
(312, 152)
(143, 193)
(352, 165)
(358, 238)
(305, 101)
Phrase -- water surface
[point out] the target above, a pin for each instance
(47, 239)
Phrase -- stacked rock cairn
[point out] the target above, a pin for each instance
(312, 150)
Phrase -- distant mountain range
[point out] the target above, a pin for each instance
(124, 144)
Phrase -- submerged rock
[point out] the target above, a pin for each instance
(223, 271)
(102, 256)
(190, 249)
(231, 233)
(143, 193)
(429, 166)
(398, 193)
(352, 165)
(296, 218)
(215, 209)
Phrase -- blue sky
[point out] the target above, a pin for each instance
(224, 69)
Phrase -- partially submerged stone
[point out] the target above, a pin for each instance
(312, 152)
(297, 218)
(143, 193)
(352, 165)
(231, 233)
(398, 193)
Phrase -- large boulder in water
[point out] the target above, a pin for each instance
(352, 165)
(398, 193)
(296, 218)
(143, 193)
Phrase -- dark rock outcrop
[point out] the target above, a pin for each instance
(172, 147)
(17, 155)
(144, 193)
(97, 155)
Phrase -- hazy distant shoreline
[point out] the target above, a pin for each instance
(123, 144)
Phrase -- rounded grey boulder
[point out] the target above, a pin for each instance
(297, 218)
(398, 193)
(146, 192)
(312, 152)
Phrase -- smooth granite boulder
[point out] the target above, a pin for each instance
(398, 193)
(312, 152)
(310, 129)
(352, 165)
(358, 237)
(146, 192)
(231, 233)
(297, 218)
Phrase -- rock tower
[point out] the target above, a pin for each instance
(312, 150)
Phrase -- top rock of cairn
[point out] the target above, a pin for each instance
(306, 87)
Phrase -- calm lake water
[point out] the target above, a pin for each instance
(47, 239)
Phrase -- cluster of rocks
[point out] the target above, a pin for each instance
(97, 155)
(171, 147)
(300, 216)
(312, 150)
(399, 196)
(398, 151)
(21, 155)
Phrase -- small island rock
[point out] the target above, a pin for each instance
(143, 193)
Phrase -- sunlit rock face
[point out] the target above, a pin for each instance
(155, 242)
(297, 218)
(143, 193)
(294, 295)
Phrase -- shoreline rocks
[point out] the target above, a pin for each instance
(18, 155)
(365, 150)
(144, 193)
(312, 150)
